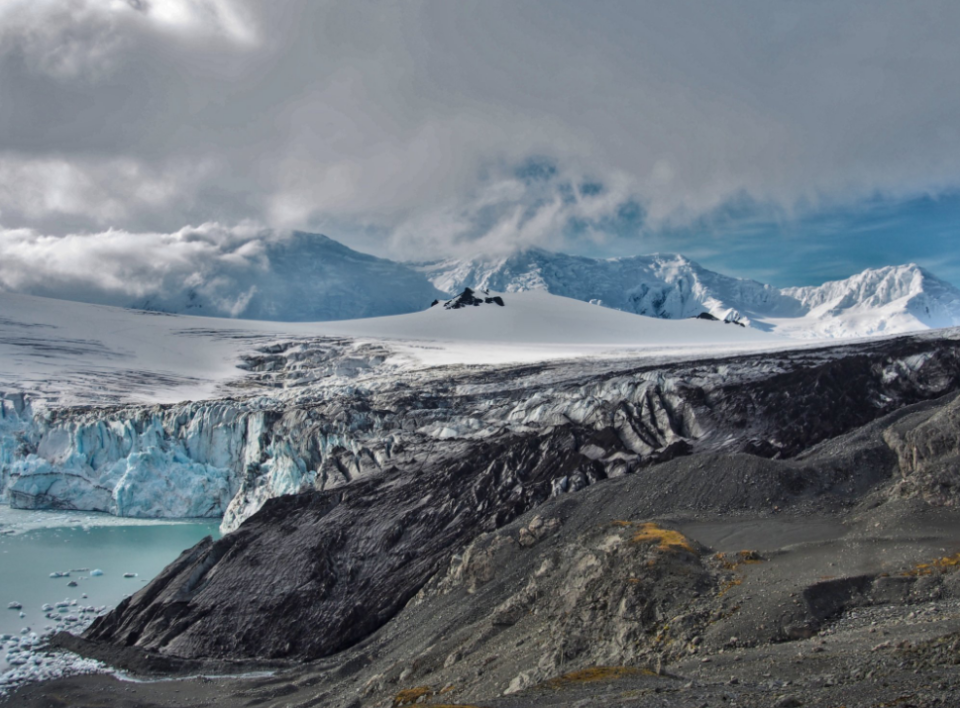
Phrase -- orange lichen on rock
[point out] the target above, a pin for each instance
(597, 673)
(938, 565)
(666, 539)
(409, 696)
(742, 558)
(729, 585)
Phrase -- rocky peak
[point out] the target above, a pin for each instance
(468, 298)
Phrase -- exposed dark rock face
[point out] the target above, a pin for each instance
(312, 574)
(711, 318)
(469, 299)
(928, 453)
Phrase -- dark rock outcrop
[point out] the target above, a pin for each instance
(469, 299)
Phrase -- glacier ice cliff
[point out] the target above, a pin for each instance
(142, 462)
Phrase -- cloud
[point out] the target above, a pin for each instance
(71, 39)
(117, 267)
(407, 126)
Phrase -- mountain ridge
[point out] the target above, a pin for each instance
(304, 277)
(887, 300)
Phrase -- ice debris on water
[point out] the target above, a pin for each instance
(96, 573)
(58, 574)
(14, 606)
(129, 575)
(26, 658)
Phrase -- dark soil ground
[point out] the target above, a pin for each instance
(891, 637)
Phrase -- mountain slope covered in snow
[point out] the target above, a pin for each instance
(301, 278)
(888, 300)
(665, 286)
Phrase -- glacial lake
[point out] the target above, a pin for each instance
(34, 544)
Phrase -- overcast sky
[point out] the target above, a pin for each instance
(788, 141)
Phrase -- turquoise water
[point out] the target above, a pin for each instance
(35, 544)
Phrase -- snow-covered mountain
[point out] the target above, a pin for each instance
(889, 300)
(302, 278)
(886, 300)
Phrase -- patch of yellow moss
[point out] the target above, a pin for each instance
(666, 539)
(409, 696)
(938, 565)
(597, 673)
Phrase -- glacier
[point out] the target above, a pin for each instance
(140, 415)
(229, 456)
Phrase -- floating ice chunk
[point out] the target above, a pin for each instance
(47, 607)
(14, 606)
(95, 573)
(129, 575)
(58, 574)
(22, 615)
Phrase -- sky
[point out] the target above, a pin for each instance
(791, 142)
